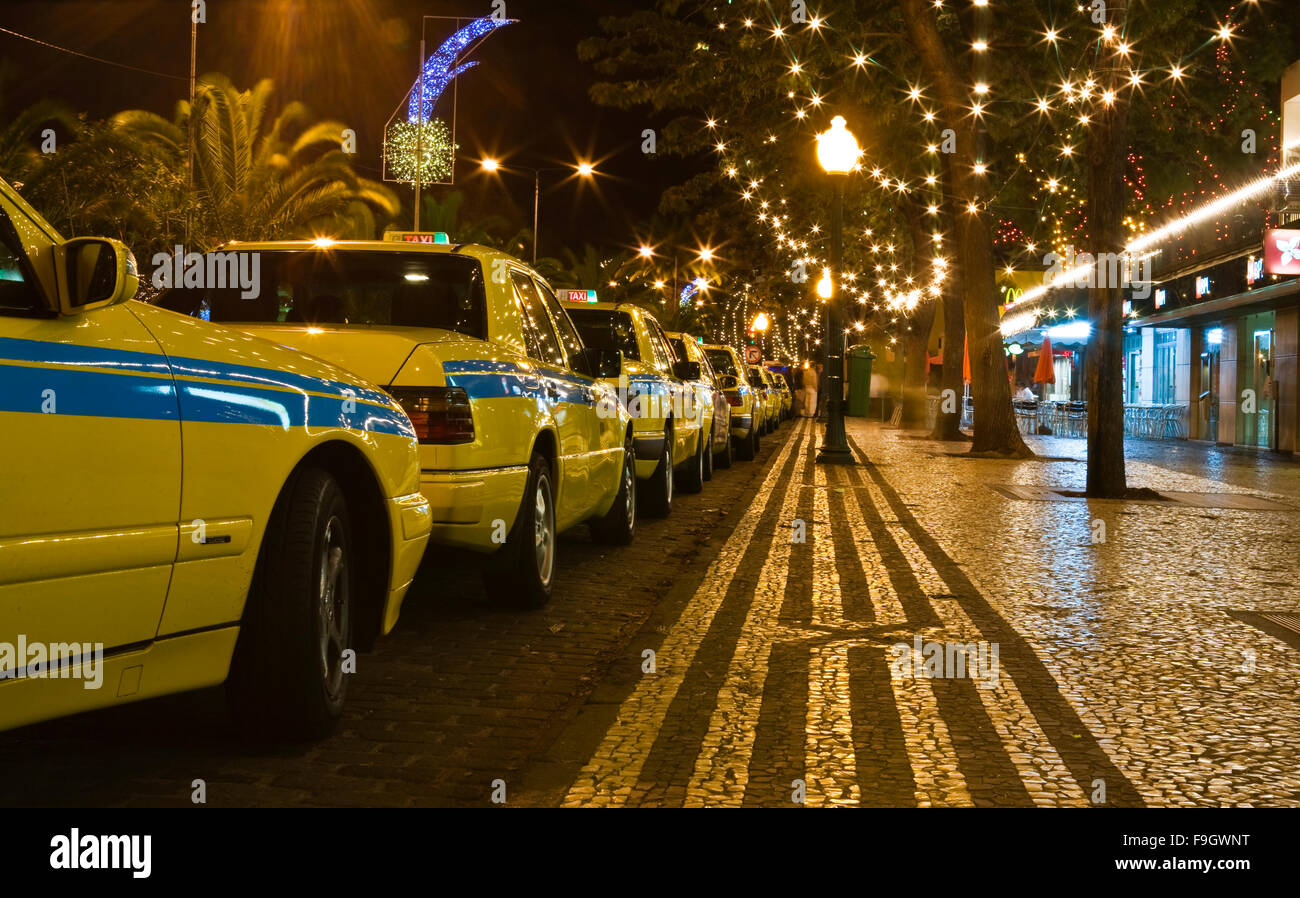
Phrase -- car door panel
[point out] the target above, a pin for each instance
(89, 504)
(565, 404)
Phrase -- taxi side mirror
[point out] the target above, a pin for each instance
(728, 381)
(687, 370)
(93, 272)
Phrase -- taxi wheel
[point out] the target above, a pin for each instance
(658, 499)
(693, 477)
(723, 458)
(287, 676)
(745, 447)
(706, 449)
(521, 573)
(618, 526)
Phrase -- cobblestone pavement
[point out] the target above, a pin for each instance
(768, 645)
(1122, 676)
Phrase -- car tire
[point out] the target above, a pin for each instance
(617, 527)
(723, 458)
(745, 447)
(658, 498)
(287, 675)
(707, 451)
(522, 572)
(693, 478)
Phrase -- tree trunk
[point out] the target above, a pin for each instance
(952, 382)
(916, 365)
(995, 423)
(916, 339)
(1107, 151)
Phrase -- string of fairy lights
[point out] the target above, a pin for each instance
(886, 290)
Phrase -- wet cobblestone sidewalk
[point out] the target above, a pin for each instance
(1122, 678)
(751, 650)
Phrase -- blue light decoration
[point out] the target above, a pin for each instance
(423, 148)
(441, 68)
(689, 291)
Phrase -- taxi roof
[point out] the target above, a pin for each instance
(605, 306)
(329, 245)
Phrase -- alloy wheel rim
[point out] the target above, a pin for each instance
(333, 605)
(544, 530)
(629, 487)
(668, 467)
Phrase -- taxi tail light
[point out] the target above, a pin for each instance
(440, 414)
(734, 399)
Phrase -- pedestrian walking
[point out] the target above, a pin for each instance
(811, 391)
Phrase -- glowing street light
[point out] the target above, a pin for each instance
(825, 286)
(493, 166)
(837, 149)
(838, 153)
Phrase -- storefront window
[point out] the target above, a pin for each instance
(1164, 367)
(1132, 367)
(1257, 409)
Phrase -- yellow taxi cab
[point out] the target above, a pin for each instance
(184, 504)
(519, 439)
(746, 406)
(783, 388)
(761, 380)
(709, 395)
(667, 421)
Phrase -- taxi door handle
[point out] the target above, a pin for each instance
(552, 392)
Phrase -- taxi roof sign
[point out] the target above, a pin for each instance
(417, 237)
(580, 296)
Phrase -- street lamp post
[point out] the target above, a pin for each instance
(583, 169)
(837, 151)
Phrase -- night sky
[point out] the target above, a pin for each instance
(354, 60)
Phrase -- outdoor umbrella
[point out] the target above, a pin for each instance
(1045, 373)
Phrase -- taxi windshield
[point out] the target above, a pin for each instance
(606, 329)
(312, 287)
(721, 361)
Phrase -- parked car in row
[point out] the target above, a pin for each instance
(520, 438)
(787, 396)
(708, 392)
(670, 425)
(746, 405)
(185, 504)
(761, 380)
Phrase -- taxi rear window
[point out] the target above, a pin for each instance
(722, 361)
(606, 329)
(319, 287)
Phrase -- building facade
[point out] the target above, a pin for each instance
(1219, 333)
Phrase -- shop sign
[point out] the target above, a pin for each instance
(1282, 251)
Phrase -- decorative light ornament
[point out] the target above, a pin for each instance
(441, 68)
(420, 151)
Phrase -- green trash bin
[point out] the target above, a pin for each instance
(860, 358)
